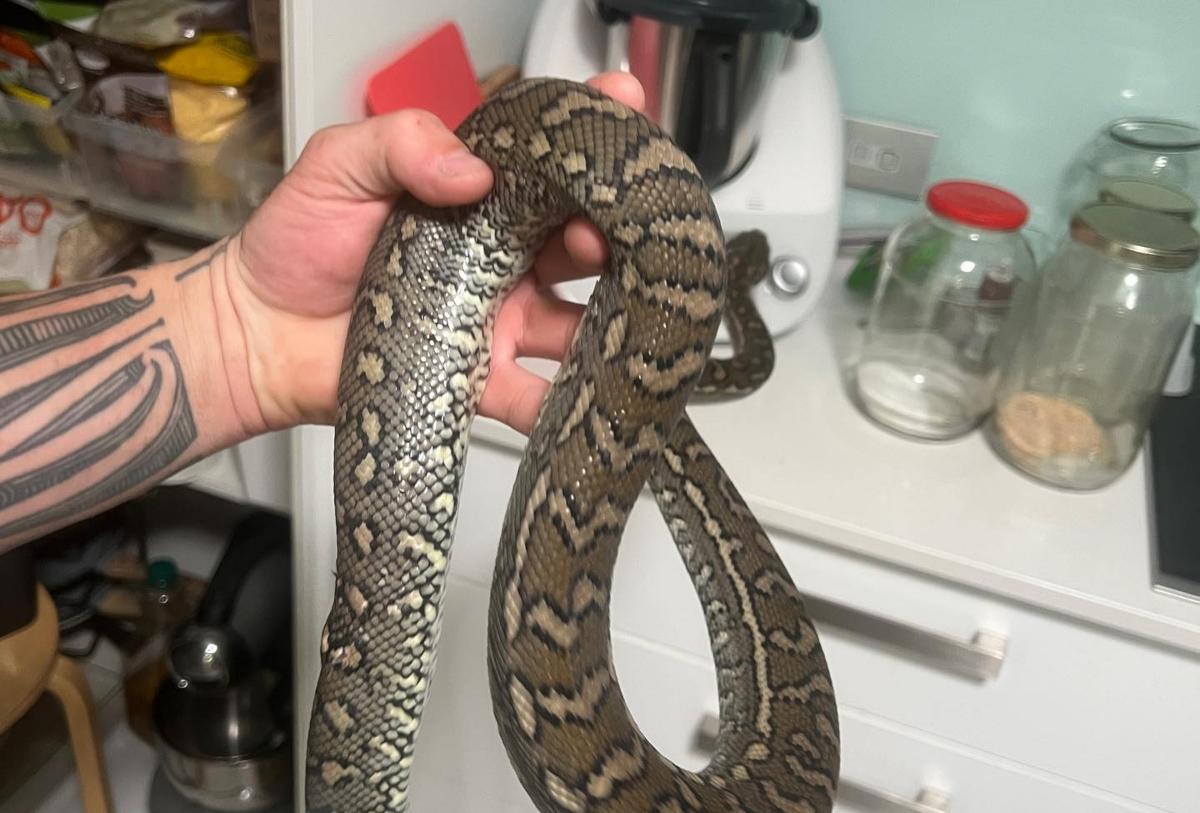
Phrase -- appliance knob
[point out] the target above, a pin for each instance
(790, 276)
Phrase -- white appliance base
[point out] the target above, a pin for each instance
(792, 187)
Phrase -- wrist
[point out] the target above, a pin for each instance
(284, 346)
(216, 356)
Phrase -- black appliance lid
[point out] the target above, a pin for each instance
(798, 18)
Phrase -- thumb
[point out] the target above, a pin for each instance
(375, 159)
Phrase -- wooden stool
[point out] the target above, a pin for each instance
(30, 665)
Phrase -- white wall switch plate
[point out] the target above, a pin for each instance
(890, 158)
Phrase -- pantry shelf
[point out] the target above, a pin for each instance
(199, 190)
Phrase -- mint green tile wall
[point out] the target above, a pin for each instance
(1013, 87)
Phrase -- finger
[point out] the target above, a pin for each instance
(585, 245)
(514, 396)
(624, 87)
(409, 150)
(548, 325)
(556, 264)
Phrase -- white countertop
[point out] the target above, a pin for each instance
(810, 464)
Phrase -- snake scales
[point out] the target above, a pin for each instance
(415, 362)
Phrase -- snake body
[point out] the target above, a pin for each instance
(747, 259)
(415, 362)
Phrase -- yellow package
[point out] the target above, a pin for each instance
(208, 184)
(203, 114)
(213, 59)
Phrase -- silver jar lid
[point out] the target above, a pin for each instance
(1137, 236)
(1149, 195)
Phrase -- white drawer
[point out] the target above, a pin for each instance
(1111, 712)
(1069, 698)
(883, 758)
(461, 764)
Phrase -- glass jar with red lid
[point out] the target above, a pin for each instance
(929, 363)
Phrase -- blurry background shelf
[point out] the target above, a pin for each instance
(198, 190)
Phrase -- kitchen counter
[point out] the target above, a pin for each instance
(811, 465)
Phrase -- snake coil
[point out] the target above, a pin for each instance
(415, 362)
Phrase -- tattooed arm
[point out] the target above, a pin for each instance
(107, 388)
(112, 385)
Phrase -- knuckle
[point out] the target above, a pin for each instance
(415, 122)
(321, 143)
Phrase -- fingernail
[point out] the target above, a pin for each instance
(462, 162)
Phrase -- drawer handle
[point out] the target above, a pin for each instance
(868, 800)
(980, 658)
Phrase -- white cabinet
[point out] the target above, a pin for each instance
(880, 757)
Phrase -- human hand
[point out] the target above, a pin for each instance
(293, 271)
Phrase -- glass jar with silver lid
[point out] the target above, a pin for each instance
(1170, 201)
(1143, 194)
(1092, 346)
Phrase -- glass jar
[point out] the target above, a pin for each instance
(1158, 151)
(1093, 346)
(1149, 195)
(928, 364)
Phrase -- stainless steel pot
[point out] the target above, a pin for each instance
(222, 717)
(706, 67)
(248, 783)
(229, 748)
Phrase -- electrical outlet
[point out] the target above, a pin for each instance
(890, 158)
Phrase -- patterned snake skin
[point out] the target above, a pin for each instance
(415, 363)
(747, 260)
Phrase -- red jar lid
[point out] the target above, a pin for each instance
(977, 204)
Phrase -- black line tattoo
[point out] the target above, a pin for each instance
(57, 472)
(96, 401)
(217, 251)
(133, 419)
(25, 341)
(18, 402)
(28, 302)
(172, 440)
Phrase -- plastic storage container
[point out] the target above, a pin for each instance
(1093, 346)
(36, 153)
(161, 179)
(251, 157)
(928, 366)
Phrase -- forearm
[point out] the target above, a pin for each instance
(107, 388)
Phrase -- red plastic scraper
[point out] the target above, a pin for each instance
(435, 74)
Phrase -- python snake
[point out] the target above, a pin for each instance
(747, 259)
(415, 362)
